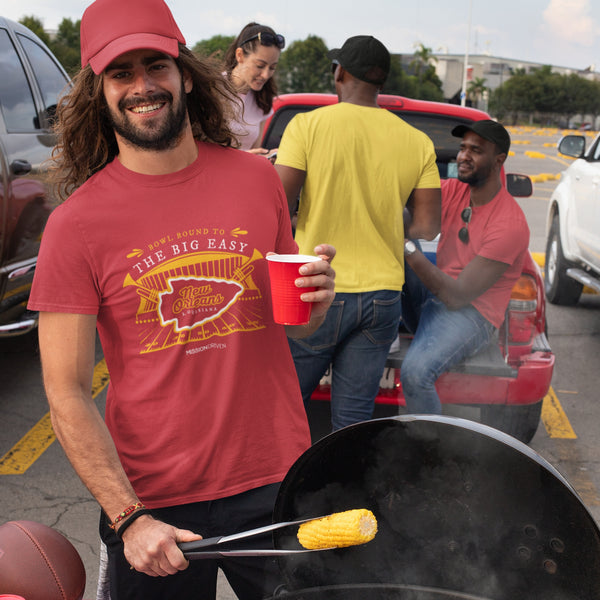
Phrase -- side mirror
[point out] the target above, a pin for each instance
(572, 145)
(519, 186)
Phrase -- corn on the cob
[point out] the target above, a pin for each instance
(339, 530)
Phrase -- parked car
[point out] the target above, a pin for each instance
(31, 80)
(573, 225)
(508, 379)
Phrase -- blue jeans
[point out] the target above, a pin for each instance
(443, 339)
(354, 339)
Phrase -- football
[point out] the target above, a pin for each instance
(39, 563)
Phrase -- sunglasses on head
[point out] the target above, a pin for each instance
(463, 232)
(334, 65)
(267, 39)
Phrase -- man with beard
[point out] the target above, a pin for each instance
(160, 246)
(461, 302)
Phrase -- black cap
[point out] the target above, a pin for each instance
(489, 130)
(364, 57)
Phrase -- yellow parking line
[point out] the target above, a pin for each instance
(29, 448)
(100, 379)
(554, 418)
(539, 258)
(41, 436)
(561, 161)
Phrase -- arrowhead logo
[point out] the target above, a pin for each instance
(190, 302)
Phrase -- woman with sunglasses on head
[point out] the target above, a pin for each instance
(250, 64)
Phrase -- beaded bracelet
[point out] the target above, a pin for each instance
(138, 513)
(126, 513)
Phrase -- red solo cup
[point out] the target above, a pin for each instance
(288, 308)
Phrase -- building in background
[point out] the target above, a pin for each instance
(492, 70)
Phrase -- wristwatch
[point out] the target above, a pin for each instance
(409, 247)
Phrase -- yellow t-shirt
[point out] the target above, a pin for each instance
(361, 165)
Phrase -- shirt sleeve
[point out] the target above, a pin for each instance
(292, 149)
(64, 278)
(430, 175)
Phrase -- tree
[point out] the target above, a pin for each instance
(428, 85)
(423, 58)
(546, 97)
(36, 26)
(215, 47)
(66, 45)
(517, 95)
(476, 89)
(305, 67)
(398, 82)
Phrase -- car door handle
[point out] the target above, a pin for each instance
(20, 166)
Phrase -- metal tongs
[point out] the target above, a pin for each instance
(209, 547)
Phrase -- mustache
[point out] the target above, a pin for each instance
(127, 103)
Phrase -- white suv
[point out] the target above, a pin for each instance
(573, 225)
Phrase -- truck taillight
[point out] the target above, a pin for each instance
(522, 310)
(523, 297)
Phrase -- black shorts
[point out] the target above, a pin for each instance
(251, 578)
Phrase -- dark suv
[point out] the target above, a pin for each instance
(31, 80)
(510, 377)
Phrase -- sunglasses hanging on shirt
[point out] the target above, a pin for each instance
(463, 232)
(267, 39)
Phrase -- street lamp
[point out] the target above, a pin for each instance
(463, 94)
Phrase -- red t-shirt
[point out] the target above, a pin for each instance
(204, 399)
(497, 231)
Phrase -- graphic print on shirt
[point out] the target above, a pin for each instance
(188, 293)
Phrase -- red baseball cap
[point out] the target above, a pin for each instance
(110, 28)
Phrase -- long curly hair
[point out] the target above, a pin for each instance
(264, 98)
(85, 138)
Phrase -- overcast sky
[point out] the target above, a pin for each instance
(558, 32)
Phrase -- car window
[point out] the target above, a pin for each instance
(437, 127)
(16, 99)
(50, 78)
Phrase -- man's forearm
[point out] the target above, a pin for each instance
(479, 275)
(435, 280)
(89, 447)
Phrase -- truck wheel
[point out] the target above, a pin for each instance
(560, 289)
(520, 421)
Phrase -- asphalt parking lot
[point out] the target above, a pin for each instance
(37, 483)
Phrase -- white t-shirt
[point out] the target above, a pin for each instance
(246, 126)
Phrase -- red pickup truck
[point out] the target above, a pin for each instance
(508, 379)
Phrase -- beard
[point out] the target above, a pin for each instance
(157, 135)
(477, 177)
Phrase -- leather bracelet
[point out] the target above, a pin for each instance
(125, 514)
(127, 522)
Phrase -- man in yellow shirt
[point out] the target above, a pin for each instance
(358, 167)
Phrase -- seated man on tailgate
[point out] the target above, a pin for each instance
(461, 302)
